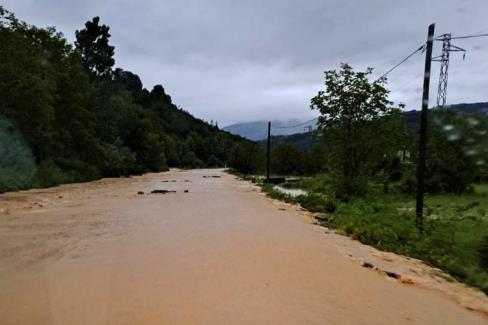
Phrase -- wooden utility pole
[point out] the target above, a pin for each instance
(423, 133)
(268, 151)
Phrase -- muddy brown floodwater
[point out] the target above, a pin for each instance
(222, 253)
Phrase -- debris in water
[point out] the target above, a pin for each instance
(161, 191)
(186, 191)
(368, 265)
(406, 280)
(393, 274)
(140, 193)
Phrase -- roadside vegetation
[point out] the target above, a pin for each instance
(456, 230)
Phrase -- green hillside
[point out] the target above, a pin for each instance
(67, 115)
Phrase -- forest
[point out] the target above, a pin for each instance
(67, 114)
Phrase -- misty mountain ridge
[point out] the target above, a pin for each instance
(258, 130)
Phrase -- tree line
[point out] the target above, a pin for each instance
(364, 138)
(68, 115)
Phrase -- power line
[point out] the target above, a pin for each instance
(462, 37)
(406, 79)
(294, 126)
(421, 48)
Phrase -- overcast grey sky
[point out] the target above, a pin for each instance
(234, 61)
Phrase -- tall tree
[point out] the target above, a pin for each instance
(93, 43)
(353, 113)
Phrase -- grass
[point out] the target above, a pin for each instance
(456, 226)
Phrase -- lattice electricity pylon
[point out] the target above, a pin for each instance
(447, 47)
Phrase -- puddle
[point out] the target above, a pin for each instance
(291, 191)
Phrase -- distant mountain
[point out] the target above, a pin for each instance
(412, 118)
(302, 140)
(258, 130)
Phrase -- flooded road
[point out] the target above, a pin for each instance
(222, 253)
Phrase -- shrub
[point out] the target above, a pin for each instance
(330, 206)
(17, 165)
(312, 202)
(483, 251)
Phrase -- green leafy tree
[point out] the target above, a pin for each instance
(79, 120)
(93, 44)
(457, 152)
(246, 157)
(354, 111)
(287, 159)
(26, 90)
(17, 165)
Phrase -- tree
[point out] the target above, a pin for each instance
(457, 151)
(17, 165)
(354, 112)
(286, 159)
(246, 157)
(65, 116)
(93, 44)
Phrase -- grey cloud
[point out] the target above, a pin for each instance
(236, 61)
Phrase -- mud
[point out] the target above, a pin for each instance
(222, 253)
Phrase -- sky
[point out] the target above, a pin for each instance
(247, 60)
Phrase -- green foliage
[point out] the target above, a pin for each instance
(17, 165)
(93, 44)
(355, 116)
(321, 183)
(246, 157)
(59, 171)
(456, 153)
(287, 159)
(80, 120)
(457, 150)
(317, 203)
(310, 149)
(483, 252)
(455, 237)
(117, 160)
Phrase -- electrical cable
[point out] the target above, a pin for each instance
(294, 126)
(421, 48)
(463, 37)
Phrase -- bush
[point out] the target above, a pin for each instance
(117, 160)
(316, 203)
(330, 206)
(60, 171)
(483, 251)
(286, 159)
(214, 162)
(17, 165)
